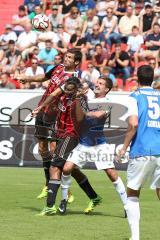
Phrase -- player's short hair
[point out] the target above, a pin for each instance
(77, 54)
(75, 81)
(145, 75)
(108, 82)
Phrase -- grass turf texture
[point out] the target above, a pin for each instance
(18, 207)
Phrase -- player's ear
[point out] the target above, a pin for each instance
(107, 90)
(77, 63)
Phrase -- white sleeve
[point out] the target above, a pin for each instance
(132, 107)
(29, 72)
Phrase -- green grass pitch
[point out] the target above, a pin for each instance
(19, 206)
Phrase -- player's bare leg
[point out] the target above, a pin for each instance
(158, 193)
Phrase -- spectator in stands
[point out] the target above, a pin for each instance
(85, 5)
(152, 43)
(47, 55)
(100, 57)
(91, 74)
(19, 71)
(34, 70)
(8, 83)
(9, 34)
(95, 38)
(31, 4)
(88, 91)
(134, 41)
(127, 22)
(101, 8)
(47, 5)
(46, 35)
(55, 18)
(11, 59)
(119, 61)
(148, 19)
(156, 9)
(20, 20)
(110, 27)
(66, 6)
(77, 41)
(58, 59)
(37, 10)
(1, 56)
(153, 64)
(26, 40)
(61, 39)
(73, 21)
(90, 21)
(106, 72)
(120, 8)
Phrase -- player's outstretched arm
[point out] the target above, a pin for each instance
(49, 99)
(96, 114)
(38, 78)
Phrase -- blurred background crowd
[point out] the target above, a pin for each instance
(115, 37)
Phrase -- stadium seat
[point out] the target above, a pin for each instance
(119, 83)
(7, 9)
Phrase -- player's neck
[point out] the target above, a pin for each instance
(99, 95)
(68, 69)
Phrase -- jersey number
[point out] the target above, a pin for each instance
(154, 109)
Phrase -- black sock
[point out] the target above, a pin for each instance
(78, 175)
(46, 166)
(53, 187)
(87, 188)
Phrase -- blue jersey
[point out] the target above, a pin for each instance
(146, 142)
(91, 132)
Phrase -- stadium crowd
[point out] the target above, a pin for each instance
(115, 38)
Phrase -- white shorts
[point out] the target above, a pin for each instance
(99, 154)
(143, 170)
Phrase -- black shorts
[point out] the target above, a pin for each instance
(45, 126)
(64, 147)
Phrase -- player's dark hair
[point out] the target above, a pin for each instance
(145, 75)
(77, 54)
(75, 81)
(108, 82)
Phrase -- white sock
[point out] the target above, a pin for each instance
(65, 185)
(133, 215)
(120, 188)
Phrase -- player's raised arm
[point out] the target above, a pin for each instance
(23, 78)
(49, 99)
(38, 78)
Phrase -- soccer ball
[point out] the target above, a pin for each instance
(40, 22)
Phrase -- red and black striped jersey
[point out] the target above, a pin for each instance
(57, 76)
(66, 123)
